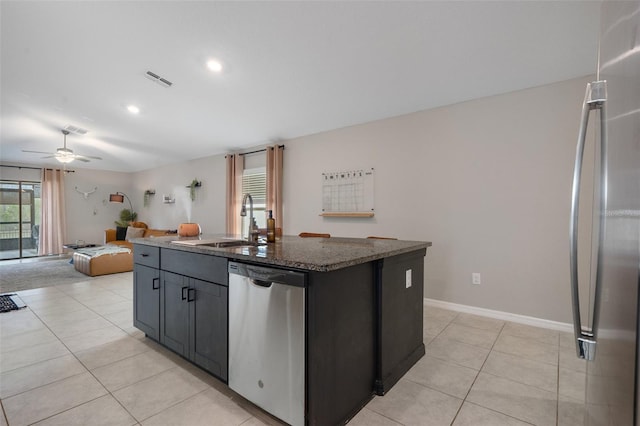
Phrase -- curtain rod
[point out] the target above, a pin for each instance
(33, 168)
(254, 152)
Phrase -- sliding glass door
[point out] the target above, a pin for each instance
(19, 219)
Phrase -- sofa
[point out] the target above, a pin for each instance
(111, 235)
(117, 254)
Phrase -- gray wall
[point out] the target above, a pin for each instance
(487, 181)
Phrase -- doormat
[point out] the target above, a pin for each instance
(11, 302)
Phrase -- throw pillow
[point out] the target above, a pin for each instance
(134, 233)
(121, 233)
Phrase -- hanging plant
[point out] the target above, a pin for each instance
(192, 188)
(148, 193)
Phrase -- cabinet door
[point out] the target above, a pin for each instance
(174, 312)
(146, 300)
(208, 334)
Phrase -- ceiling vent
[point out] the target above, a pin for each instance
(74, 129)
(155, 77)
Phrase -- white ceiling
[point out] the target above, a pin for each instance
(291, 69)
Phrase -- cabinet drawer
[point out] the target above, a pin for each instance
(196, 265)
(146, 255)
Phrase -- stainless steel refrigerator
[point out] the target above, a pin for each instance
(606, 329)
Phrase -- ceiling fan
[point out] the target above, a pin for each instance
(64, 154)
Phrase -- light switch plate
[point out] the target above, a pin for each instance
(407, 278)
(476, 278)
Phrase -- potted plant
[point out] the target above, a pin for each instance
(192, 188)
(126, 216)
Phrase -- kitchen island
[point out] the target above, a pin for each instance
(362, 312)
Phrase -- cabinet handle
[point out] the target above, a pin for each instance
(153, 285)
(191, 296)
(183, 295)
(144, 254)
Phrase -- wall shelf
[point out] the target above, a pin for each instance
(348, 214)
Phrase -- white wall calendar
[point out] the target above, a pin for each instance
(348, 193)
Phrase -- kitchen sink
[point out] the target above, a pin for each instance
(237, 243)
(218, 243)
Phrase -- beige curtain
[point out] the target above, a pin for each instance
(274, 182)
(235, 167)
(53, 225)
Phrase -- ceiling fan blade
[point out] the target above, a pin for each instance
(37, 152)
(65, 153)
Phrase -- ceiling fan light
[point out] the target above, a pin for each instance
(64, 159)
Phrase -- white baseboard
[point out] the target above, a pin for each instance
(505, 316)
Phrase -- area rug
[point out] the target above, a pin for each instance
(37, 274)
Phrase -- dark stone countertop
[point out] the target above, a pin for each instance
(312, 254)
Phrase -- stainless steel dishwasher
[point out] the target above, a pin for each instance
(266, 338)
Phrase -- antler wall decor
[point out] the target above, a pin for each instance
(86, 194)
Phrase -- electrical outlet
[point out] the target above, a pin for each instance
(407, 278)
(476, 278)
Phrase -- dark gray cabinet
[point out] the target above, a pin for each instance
(146, 300)
(364, 332)
(193, 310)
(399, 300)
(174, 313)
(340, 327)
(180, 299)
(208, 326)
(146, 290)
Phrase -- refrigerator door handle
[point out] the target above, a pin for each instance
(595, 99)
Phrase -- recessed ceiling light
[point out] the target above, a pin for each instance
(214, 65)
(133, 109)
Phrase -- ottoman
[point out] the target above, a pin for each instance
(103, 260)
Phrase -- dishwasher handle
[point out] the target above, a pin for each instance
(260, 283)
(265, 276)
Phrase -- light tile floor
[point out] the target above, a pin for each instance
(73, 357)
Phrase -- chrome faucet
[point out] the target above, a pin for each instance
(253, 233)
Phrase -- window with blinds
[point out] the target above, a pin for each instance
(254, 182)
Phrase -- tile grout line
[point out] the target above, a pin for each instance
(170, 406)
(90, 372)
(419, 384)
(146, 378)
(81, 363)
(4, 414)
(87, 370)
(385, 416)
(68, 409)
(59, 380)
(491, 350)
(478, 374)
